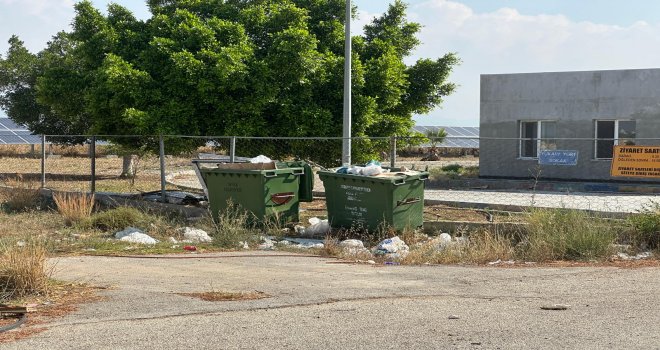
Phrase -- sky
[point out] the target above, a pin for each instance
(490, 37)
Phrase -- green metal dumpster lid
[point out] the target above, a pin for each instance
(306, 189)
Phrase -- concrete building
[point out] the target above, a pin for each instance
(587, 112)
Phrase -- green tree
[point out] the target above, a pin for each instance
(224, 67)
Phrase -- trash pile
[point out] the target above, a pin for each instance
(372, 168)
(135, 235)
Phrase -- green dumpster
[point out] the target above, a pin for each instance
(265, 190)
(395, 199)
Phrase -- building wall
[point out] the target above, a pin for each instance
(574, 100)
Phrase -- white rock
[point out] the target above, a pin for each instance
(371, 262)
(194, 235)
(244, 245)
(173, 240)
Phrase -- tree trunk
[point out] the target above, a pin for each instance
(127, 167)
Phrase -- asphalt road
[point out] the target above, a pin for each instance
(319, 304)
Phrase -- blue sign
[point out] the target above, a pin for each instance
(558, 157)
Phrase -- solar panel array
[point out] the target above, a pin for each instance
(457, 136)
(14, 134)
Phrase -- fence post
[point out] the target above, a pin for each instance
(162, 168)
(92, 154)
(43, 161)
(232, 149)
(393, 151)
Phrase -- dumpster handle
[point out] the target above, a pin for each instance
(298, 172)
(282, 198)
(270, 174)
(408, 201)
(424, 177)
(399, 182)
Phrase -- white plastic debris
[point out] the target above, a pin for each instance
(128, 231)
(445, 238)
(268, 244)
(134, 235)
(369, 170)
(372, 170)
(173, 240)
(303, 243)
(299, 229)
(318, 227)
(193, 235)
(260, 159)
(244, 245)
(354, 247)
(352, 243)
(392, 245)
(392, 248)
(640, 256)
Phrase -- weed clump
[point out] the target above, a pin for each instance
(645, 229)
(477, 247)
(233, 226)
(118, 219)
(564, 234)
(24, 195)
(23, 270)
(74, 207)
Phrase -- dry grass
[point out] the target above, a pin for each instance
(23, 196)
(74, 207)
(23, 270)
(479, 247)
(226, 296)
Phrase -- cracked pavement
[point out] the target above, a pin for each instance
(318, 303)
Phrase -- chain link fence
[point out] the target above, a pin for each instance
(504, 173)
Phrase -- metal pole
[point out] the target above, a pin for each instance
(232, 149)
(162, 168)
(92, 154)
(43, 161)
(393, 152)
(346, 145)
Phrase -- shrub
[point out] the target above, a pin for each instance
(74, 207)
(645, 232)
(118, 219)
(564, 234)
(23, 270)
(453, 168)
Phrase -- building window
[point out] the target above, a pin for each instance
(613, 132)
(535, 136)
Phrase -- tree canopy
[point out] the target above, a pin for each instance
(222, 67)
